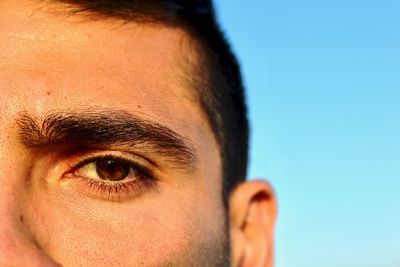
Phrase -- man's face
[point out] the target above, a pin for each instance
(105, 156)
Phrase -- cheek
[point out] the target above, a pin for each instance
(156, 228)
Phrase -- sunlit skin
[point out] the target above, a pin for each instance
(52, 63)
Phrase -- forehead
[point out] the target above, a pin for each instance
(55, 62)
(77, 43)
(84, 58)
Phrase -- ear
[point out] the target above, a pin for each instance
(252, 218)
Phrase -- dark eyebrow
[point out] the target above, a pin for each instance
(94, 128)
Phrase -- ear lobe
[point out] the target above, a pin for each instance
(252, 213)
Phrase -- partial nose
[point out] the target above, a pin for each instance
(18, 246)
(17, 250)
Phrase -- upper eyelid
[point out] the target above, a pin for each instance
(113, 152)
(91, 153)
(92, 158)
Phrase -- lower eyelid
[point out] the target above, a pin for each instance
(115, 191)
(142, 178)
(139, 181)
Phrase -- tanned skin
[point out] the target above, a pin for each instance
(79, 94)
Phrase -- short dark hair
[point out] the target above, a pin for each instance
(218, 81)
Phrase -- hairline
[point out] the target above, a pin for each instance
(189, 66)
(201, 73)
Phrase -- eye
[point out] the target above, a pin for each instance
(111, 177)
(109, 169)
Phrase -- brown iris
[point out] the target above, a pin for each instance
(112, 169)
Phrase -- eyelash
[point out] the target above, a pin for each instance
(114, 190)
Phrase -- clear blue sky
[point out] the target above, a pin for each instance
(323, 80)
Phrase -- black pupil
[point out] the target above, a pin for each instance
(112, 170)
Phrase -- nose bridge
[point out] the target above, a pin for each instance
(18, 246)
(18, 250)
(17, 240)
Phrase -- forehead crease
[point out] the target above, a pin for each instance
(50, 33)
(130, 55)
